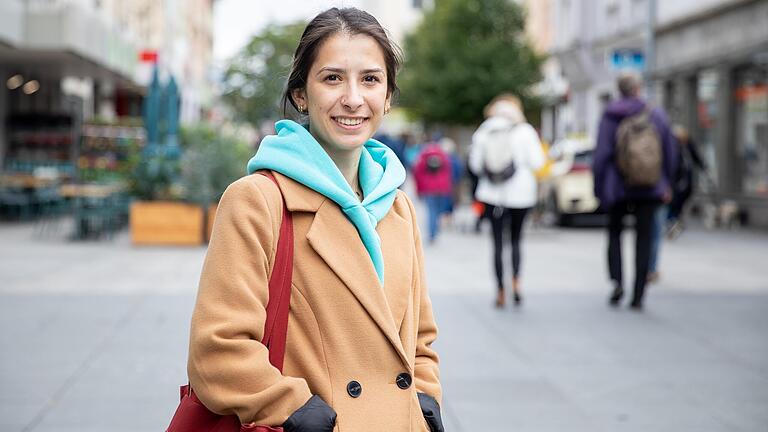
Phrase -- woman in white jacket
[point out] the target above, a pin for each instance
(505, 153)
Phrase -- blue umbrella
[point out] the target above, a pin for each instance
(171, 111)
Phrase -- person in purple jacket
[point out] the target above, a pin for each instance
(617, 199)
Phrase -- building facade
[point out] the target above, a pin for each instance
(56, 57)
(63, 62)
(712, 70)
(177, 35)
(589, 36)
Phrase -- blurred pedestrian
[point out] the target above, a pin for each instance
(479, 209)
(669, 217)
(689, 162)
(505, 153)
(360, 331)
(457, 172)
(412, 152)
(433, 173)
(396, 144)
(632, 167)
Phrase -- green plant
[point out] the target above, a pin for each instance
(211, 161)
(155, 175)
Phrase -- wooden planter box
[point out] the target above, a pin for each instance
(166, 223)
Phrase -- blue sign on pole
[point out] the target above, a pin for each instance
(627, 58)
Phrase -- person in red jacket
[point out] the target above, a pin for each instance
(433, 173)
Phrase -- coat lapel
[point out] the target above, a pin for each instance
(397, 248)
(337, 242)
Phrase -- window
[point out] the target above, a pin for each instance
(751, 121)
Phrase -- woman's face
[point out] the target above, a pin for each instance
(346, 92)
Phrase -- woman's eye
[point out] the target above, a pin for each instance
(371, 79)
(333, 78)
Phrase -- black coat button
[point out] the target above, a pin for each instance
(354, 389)
(404, 380)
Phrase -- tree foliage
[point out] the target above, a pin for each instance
(255, 78)
(463, 54)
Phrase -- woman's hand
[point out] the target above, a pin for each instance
(313, 416)
(431, 411)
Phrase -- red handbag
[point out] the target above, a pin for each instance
(191, 415)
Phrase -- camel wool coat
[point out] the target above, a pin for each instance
(343, 325)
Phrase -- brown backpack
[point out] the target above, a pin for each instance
(638, 150)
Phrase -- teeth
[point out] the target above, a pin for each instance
(349, 121)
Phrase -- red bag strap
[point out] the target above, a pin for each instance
(276, 325)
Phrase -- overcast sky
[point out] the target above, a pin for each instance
(234, 21)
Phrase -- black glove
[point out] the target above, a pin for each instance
(313, 416)
(431, 411)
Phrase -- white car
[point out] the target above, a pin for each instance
(571, 186)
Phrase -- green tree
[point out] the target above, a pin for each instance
(463, 54)
(256, 76)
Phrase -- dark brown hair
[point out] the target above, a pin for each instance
(351, 21)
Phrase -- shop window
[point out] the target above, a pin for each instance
(706, 119)
(751, 97)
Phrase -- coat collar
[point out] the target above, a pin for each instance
(337, 242)
(297, 196)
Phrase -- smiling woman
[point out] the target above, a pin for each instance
(360, 327)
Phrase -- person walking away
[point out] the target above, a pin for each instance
(505, 153)
(433, 173)
(689, 162)
(669, 217)
(360, 326)
(632, 168)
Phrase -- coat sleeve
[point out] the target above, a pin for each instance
(228, 366)
(426, 367)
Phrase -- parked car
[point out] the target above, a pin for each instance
(571, 192)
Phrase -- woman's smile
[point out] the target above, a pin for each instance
(350, 123)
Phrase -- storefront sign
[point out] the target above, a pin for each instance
(627, 59)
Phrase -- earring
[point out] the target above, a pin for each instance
(386, 110)
(302, 109)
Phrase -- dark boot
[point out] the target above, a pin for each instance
(516, 297)
(616, 295)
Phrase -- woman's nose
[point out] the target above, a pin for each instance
(352, 98)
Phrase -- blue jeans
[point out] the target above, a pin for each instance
(657, 235)
(436, 206)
